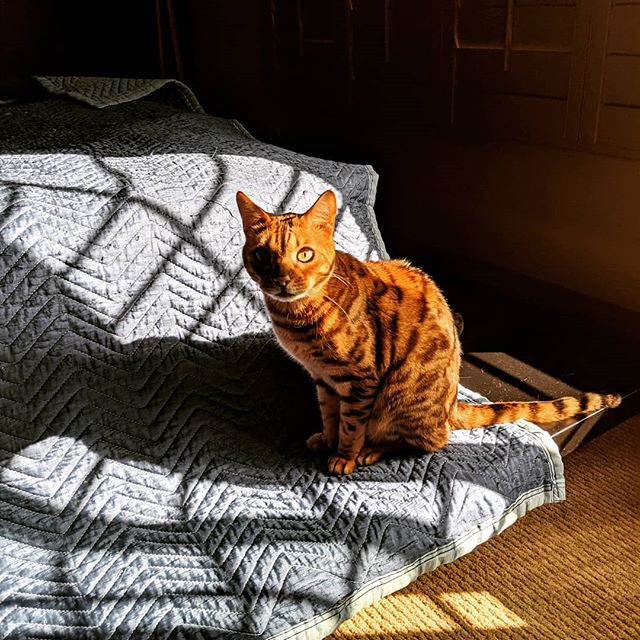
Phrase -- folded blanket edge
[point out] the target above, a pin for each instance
(324, 624)
(101, 92)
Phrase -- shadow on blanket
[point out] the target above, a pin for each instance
(174, 471)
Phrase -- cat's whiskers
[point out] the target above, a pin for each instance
(339, 307)
(341, 279)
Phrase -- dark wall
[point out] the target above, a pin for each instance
(321, 74)
(228, 59)
(74, 37)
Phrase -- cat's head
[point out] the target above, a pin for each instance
(290, 255)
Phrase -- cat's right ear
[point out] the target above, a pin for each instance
(323, 211)
(252, 215)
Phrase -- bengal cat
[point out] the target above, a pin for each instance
(378, 339)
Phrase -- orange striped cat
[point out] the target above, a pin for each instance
(378, 339)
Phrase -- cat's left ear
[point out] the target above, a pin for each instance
(323, 211)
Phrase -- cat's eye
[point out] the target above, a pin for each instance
(262, 255)
(305, 254)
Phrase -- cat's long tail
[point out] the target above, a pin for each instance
(470, 416)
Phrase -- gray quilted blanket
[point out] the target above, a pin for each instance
(153, 479)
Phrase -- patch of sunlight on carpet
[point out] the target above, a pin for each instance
(418, 618)
(418, 614)
(481, 610)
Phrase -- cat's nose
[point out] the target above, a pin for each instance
(282, 281)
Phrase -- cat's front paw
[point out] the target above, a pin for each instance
(339, 466)
(317, 443)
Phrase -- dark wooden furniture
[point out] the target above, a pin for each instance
(501, 377)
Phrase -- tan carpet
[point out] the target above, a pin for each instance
(563, 571)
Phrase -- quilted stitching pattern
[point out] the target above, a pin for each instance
(153, 482)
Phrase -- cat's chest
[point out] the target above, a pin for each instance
(315, 352)
(300, 347)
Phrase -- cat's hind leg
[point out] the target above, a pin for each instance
(429, 438)
(373, 452)
(370, 454)
(317, 443)
(380, 439)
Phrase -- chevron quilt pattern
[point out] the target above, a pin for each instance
(153, 480)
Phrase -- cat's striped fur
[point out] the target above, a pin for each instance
(378, 338)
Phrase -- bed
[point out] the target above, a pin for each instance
(153, 477)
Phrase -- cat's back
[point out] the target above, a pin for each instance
(395, 284)
(413, 281)
(395, 271)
